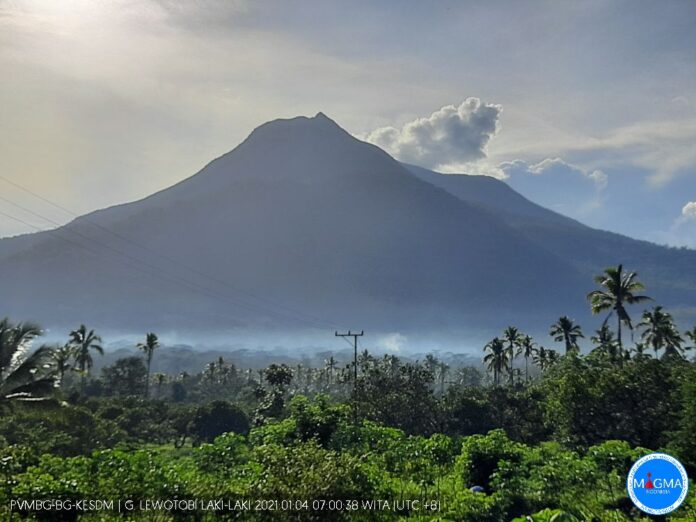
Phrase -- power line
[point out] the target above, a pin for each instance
(157, 270)
(355, 372)
(347, 341)
(93, 253)
(171, 259)
(18, 220)
(154, 270)
(99, 254)
(305, 317)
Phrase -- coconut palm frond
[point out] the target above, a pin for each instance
(26, 378)
(34, 369)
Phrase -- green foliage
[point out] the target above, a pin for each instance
(279, 375)
(224, 455)
(217, 418)
(475, 507)
(587, 404)
(110, 474)
(615, 456)
(548, 515)
(553, 443)
(585, 421)
(316, 419)
(67, 430)
(127, 376)
(682, 440)
(276, 462)
(482, 454)
(398, 395)
(468, 411)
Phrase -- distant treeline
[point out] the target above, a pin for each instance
(539, 432)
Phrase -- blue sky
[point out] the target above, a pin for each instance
(586, 107)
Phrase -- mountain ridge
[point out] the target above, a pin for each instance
(307, 216)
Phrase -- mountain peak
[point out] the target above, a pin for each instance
(300, 132)
(320, 122)
(307, 148)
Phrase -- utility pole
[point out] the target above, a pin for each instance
(355, 371)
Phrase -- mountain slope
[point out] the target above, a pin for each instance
(670, 273)
(310, 219)
(494, 195)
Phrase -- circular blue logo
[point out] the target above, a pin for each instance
(657, 484)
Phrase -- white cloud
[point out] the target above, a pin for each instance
(564, 187)
(393, 342)
(689, 211)
(555, 167)
(600, 179)
(682, 232)
(450, 135)
(663, 148)
(475, 168)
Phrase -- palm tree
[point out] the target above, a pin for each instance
(221, 370)
(62, 355)
(365, 361)
(546, 358)
(542, 358)
(14, 338)
(496, 358)
(606, 344)
(330, 365)
(228, 373)
(512, 337)
(527, 349)
(210, 373)
(431, 363)
(660, 332)
(552, 356)
(618, 290)
(442, 372)
(639, 352)
(83, 341)
(23, 378)
(691, 334)
(391, 364)
(279, 376)
(674, 348)
(299, 370)
(567, 331)
(160, 379)
(148, 347)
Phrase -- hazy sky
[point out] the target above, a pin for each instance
(587, 107)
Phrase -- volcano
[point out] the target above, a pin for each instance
(304, 226)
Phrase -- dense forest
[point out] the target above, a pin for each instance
(541, 434)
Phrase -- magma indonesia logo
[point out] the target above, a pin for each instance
(657, 484)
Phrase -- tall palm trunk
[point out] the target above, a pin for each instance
(147, 378)
(618, 333)
(526, 368)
